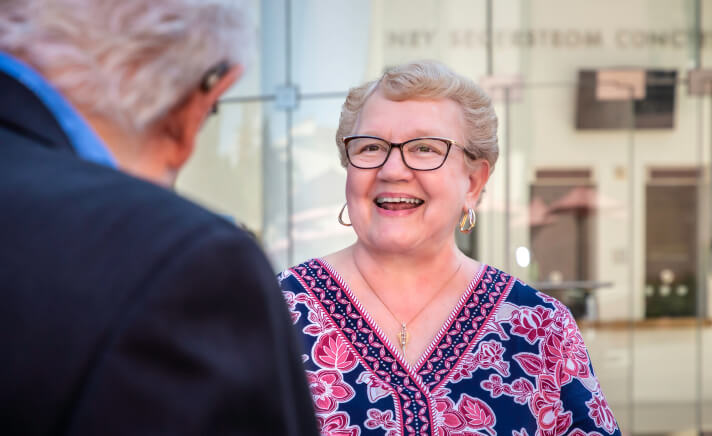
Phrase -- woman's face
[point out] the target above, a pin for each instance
(426, 222)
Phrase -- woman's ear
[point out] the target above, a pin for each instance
(185, 120)
(478, 176)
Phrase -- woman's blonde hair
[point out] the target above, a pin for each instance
(429, 80)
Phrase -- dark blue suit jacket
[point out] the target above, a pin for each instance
(127, 310)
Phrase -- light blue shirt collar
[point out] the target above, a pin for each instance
(83, 139)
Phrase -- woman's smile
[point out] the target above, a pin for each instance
(397, 201)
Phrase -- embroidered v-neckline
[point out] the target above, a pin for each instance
(395, 351)
(412, 387)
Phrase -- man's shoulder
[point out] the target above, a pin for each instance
(54, 202)
(75, 187)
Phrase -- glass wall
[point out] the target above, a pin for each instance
(601, 193)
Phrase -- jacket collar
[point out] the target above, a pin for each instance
(32, 107)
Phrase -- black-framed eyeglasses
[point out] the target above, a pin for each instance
(421, 154)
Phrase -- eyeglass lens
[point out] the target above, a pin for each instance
(421, 153)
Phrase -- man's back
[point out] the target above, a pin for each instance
(128, 310)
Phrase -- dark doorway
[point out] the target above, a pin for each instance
(670, 243)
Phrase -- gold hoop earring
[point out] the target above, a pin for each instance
(468, 221)
(341, 216)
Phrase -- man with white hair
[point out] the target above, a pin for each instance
(125, 309)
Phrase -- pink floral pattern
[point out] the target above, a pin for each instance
(489, 355)
(328, 389)
(376, 388)
(532, 324)
(521, 390)
(380, 419)
(496, 357)
(291, 305)
(447, 419)
(468, 416)
(333, 351)
(551, 419)
(566, 356)
(478, 415)
(337, 425)
(601, 414)
(320, 323)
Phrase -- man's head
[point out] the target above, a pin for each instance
(144, 73)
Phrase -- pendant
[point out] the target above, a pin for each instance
(403, 337)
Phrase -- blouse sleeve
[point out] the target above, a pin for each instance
(583, 409)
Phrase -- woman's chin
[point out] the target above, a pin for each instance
(398, 213)
(398, 241)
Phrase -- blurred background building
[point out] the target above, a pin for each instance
(601, 196)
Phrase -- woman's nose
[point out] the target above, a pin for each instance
(395, 167)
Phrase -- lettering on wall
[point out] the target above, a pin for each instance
(624, 39)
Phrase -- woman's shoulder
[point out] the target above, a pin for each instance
(297, 271)
(306, 275)
(295, 283)
(522, 294)
(318, 267)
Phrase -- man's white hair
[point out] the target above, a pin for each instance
(130, 61)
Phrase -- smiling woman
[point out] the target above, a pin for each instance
(475, 349)
(443, 189)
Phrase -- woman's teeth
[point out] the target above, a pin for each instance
(398, 203)
(398, 200)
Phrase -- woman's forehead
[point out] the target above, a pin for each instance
(412, 117)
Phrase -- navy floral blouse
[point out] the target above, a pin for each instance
(508, 361)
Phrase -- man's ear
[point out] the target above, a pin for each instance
(479, 174)
(185, 120)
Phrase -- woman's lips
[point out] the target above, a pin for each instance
(398, 206)
(393, 202)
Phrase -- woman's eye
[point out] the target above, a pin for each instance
(371, 148)
(427, 147)
(423, 149)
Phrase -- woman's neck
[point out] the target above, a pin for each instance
(403, 271)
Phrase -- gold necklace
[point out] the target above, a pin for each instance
(403, 335)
